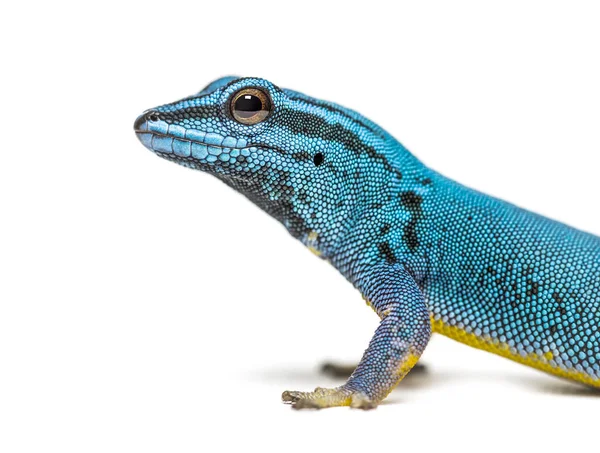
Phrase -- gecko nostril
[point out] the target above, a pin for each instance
(152, 117)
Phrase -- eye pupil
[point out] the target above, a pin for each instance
(250, 106)
(318, 159)
(247, 106)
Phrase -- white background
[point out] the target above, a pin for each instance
(149, 308)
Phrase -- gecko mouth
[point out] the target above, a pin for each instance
(201, 150)
(225, 157)
(177, 142)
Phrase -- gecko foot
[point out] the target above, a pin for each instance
(323, 397)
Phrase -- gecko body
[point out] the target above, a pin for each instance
(427, 254)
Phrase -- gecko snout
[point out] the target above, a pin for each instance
(142, 122)
(147, 125)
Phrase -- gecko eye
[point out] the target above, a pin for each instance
(250, 106)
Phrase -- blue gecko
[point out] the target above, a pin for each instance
(427, 254)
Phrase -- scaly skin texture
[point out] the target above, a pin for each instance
(426, 253)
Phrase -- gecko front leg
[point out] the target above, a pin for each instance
(399, 341)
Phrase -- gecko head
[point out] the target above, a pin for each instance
(292, 155)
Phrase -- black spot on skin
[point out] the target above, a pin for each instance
(412, 201)
(562, 310)
(340, 203)
(313, 215)
(385, 229)
(491, 270)
(318, 159)
(557, 298)
(470, 218)
(553, 329)
(376, 205)
(386, 252)
(426, 182)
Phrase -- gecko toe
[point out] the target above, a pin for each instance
(289, 397)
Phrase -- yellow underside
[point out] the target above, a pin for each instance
(407, 365)
(542, 362)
